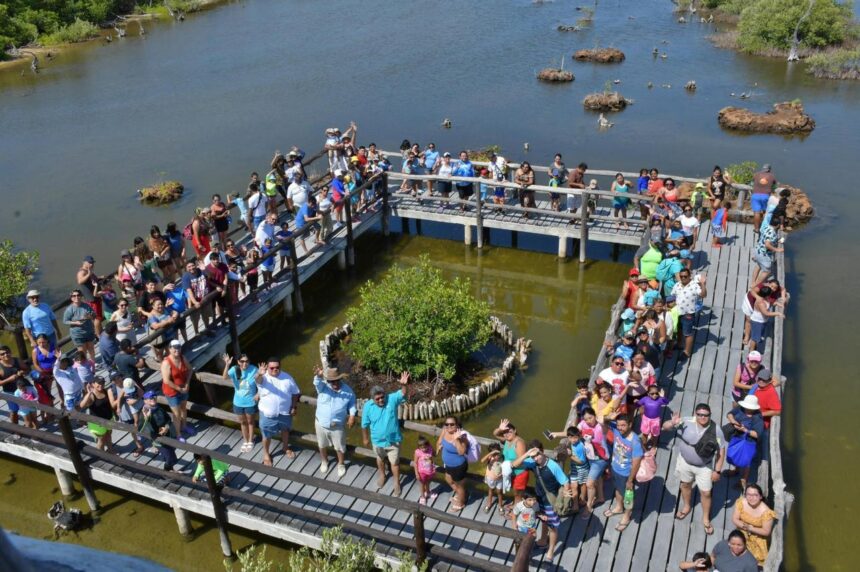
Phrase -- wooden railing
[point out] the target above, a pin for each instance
(419, 544)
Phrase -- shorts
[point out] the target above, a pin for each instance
(619, 482)
(493, 484)
(689, 473)
(718, 231)
(443, 187)
(759, 202)
(574, 202)
(650, 426)
(97, 430)
(687, 325)
(552, 519)
(81, 339)
(527, 530)
(764, 261)
(596, 468)
(72, 401)
(274, 426)
(334, 438)
(579, 473)
(222, 225)
(457, 473)
(620, 203)
(520, 482)
(13, 407)
(96, 305)
(500, 192)
(177, 400)
(465, 191)
(757, 331)
(391, 452)
(252, 410)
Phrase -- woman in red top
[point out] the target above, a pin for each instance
(630, 290)
(200, 228)
(175, 380)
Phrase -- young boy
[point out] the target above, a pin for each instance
(583, 397)
(579, 466)
(284, 252)
(219, 469)
(525, 516)
(719, 223)
(267, 266)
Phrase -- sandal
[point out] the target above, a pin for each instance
(422, 501)
(455, 507)
(709, 529)
(610, 513)
(681, 515)
(487, 508)
(622, 525)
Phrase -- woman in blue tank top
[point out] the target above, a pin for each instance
(454, 445)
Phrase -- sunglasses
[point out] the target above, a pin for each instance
(618, 363)
(450, 424)
(123, 305)
(243, 361)
(703, 414)
(275, 368)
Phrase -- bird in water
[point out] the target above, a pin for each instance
(109, 38)
(34, 65)
(604, 123)
(446, 123)
(525, 146)
(140, 25)
(655, 51)
(616, 81)
(663, 55)
(650, 84)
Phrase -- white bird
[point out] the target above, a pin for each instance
(650, 84)
(446, 123)
(140, 25)
(682, 20)
(604, 123)
(663, 55)
(525, 146)
(616, 81)
(702, 20)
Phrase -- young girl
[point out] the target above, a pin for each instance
(579, 465)
(493, 476)
(619, 203)
(252, 276)
(719, 223)
(86, 368)
(652, 404)
(26, 391)
(422, 461)
(267, 267)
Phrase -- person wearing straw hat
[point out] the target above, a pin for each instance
(336, 410)
(38, 318)
(746, 420)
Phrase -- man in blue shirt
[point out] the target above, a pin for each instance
(379, 416)
(431, 157)
(464, 168)
(38, 319)
(307, 215)
(335, 410)
(626, 457)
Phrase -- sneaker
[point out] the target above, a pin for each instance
(341, 470)
(324, 467)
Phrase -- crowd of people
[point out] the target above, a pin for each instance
(617, 425)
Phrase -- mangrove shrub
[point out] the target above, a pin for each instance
(16, 270)
(414, 320)
(769, 24)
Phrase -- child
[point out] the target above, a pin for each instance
(652, 404)
(422, 461)
(267, 266)
(642, 189)
(219, 470)
(108, 297)
(485, 189)
(324, 206)
(583, 397)
(243, 209)
(697, 199)
(26, 391)
(525, 515)
(554, 181)
(86, 368)
(284, 252)
(579, 465)
(252, 276)
(719, 223)
(493, 476)
(129, 404)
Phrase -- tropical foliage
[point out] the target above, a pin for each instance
(771, 23)
(16, 270)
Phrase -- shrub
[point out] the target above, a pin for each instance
(414, 320)
(770, 24)
(742, 173)
(835, 64)
(77, 31)
(16, 270)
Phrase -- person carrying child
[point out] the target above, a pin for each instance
(493, 477)
(425, 469)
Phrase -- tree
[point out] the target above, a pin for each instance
(772, 23)
(16, 270)
(414, 320)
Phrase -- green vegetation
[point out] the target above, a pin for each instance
(16, 271)
(338, 553)
(835, 64)
(770, 24)
(77, 31)
(742, 173)
(414, 320)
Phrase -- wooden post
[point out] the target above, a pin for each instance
(231, 314)
(562, 247)
(467, 234)
(524, 554)
(420, 539)
(341, 260)
(515, 239)
(183, 520)
(404, 225)
(350, 247)
(288, 306)
(386, 210)
(479, 220)
(217, 506)
(294, 278)
(81, 468)
(65, 481)
(418, 226)
(19, 343)
(583, 230)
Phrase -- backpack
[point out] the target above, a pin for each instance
(707, 445)
(473, 454)
(188, 232)
(664, 270)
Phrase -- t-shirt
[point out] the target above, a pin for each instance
(595, 436)
(382, 421)
(167, 333)
(39, 319)
(602, 407)
(177, 300)
(686, 296)
(264, 231)
(430, 158)
(257, 205)
(652, 407)
(526, 517)
(763, 183)
(753, 422)
(768, 399)
(624, 450)
(618, 381)
(726, 561)
(306, 212)
(551, 474)
(648, 263)
(578, 449)
(126, 364)
(299, 193)
(195, 283)
(463, 169)
(108, 348)
(244, 384)
(148, 298)
(276, 394)
(767, 234)
(689, 224)
(689, 434)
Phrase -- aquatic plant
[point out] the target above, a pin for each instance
(835, 64)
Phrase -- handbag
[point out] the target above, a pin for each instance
(561, 504)
(741, 451)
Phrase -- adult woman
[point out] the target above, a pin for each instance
(161, 251)
(177, 246)
(670, 193)
(102, 404)
(444, 170)
(745, 423)
(745, 376)
(244, 397)
(592, 433)
(758, 309)
(145, 261)
(176, 375)
(514, 446)
(79, 317)
(163, 322)
(129, 276)
(124, 319)
(718, 185)
(454, 445)
(11, 371)
(44, 356)
(732, 554)
(655, 183)
(525, 177)
(777, 296)
(605, 403)
(220, 217)
(200, 228)
(754, 519)
(620, 202)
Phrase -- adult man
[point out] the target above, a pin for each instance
(686, 293)
(765, 249)
(69, 384)
(701, 453)
(127, 362)
(615, 376)
(277, 398)
(770, 404)
(216, 280)
(627, 455)
(298, 193)
(256, 206)
(576, 180)
(335, 410)
(108, 344)
(379, 425)
(763, 183)
(266, 229)
(308, 215)
(157, 423)
(196, 288)
(88, 283)
(464, 168)
(38, 318)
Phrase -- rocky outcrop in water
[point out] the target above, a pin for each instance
(799, 210)
(555, 75)
(605, 101)
(599, 55)
(161, 193)
(787, 117)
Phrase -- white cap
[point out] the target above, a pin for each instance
(128, 385)
(32, 293)
(338, 172)
(175, 344)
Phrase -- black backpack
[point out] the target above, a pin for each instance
(707, 446)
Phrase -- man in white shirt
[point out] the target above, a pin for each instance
(266, 230)
(298, 193)
(277, 398)
(257, 205)
(687, 293)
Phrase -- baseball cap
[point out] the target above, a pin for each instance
(633, 272)
(753, 356)
(149, 395)
(175, 344)
(32, 293)
(686, 254)
(628, 314)
(125, 253)
(89, 259)
(764, 373)
(670, 299)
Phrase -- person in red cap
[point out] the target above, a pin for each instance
(630, 290)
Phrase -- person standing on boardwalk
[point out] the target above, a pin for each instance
(755, 519)
(38, 318)
(771, 406)
(463, 168)
(244, 395)
(763, 184)
(701, 453)
(765, 249)
(687, 293)
(627, 455)
(79, 317)
(453, 444)
(88, 284)
(157, 423)
(335, 413)
(277, 397)
(11, 371)
(380, 426)
(514, 447)
(176, 373)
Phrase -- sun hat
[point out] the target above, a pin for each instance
(331, 374)
(32, 293)
(754, 356)
(749, 402)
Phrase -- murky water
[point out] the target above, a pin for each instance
(207, 101)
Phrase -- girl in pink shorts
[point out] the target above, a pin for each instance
(652, 404)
